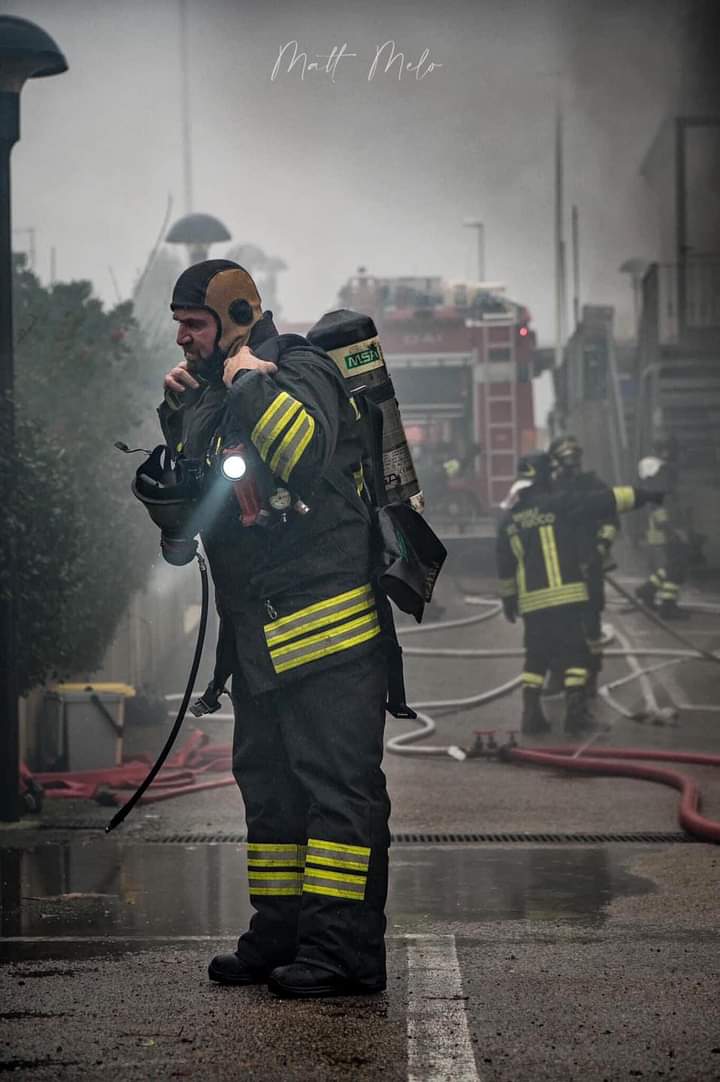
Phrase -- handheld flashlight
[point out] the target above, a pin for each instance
(234, 467)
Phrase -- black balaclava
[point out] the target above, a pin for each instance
(228, 291)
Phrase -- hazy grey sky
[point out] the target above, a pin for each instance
(331, 175)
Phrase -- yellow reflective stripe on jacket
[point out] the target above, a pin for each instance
(274, 420)
(624, 497)
(327, 642)
(311, 617)
(550, 556)
(569, 594)
(292, 445)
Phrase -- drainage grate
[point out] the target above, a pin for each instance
(412, 838)
(455, 839)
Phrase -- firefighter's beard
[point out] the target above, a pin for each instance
(209, 368)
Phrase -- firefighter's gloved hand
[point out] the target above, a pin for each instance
(648, 495)
(604, 547)
(510, 608)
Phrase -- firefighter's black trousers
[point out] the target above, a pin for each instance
(308, 763)
(555, 640)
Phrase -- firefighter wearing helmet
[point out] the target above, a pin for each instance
(540, 558)
(300, 635)
(597, 539)
(666, 534)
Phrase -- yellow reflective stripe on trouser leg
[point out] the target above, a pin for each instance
(322, 856)
(275, 868)
(275, 883)
(575, 678)
(532, 680)
(334, 855)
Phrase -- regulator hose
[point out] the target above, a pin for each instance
(123, 812)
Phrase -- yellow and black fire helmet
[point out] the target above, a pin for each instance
(566, 452)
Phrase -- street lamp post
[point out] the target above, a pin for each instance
(26, 52)
(475, 223)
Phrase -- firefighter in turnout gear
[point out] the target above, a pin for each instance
(540, 568)
(666, 536)
(301, 632)
(566, 455)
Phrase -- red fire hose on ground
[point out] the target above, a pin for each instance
(618, 762)
(186, 772)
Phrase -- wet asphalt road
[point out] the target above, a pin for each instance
(507, 960)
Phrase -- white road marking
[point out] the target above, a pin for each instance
(439, 1045)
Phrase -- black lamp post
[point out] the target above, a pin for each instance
(26, 52)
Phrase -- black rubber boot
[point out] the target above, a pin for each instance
(534, 721)
(300, 981)
(232, 969)
(578, 718)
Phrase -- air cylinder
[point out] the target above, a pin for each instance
(352, 341)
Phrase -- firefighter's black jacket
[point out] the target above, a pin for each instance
(542, 543)
(298, 594)
(595, 535)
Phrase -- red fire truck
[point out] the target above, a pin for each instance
(460, 355)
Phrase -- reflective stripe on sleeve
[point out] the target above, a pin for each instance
(507, 587)
(291, 447)
(624, 497)
(274, 420)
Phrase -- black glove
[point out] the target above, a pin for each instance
(510, 608)
(648, 495)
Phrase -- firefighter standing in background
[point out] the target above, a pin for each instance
(597, 540)
(666, 535)
(540, 568)
(300, 621)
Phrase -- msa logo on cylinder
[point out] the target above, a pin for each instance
(366, 356)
